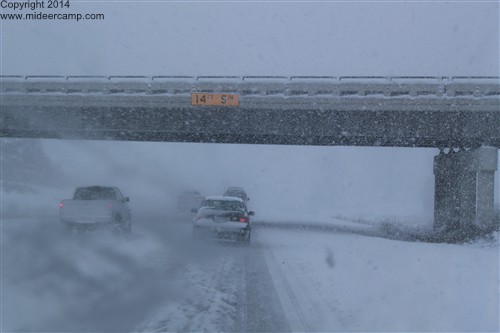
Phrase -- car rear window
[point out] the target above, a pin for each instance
(95, 193)
(223, 204)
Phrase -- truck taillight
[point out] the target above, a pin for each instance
(61, 205)
(110, 205)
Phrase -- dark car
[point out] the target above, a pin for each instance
(237, 192)
(223, 218)
(187, 201)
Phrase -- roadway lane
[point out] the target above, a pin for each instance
(286, 280)
(157, 279)
(228, 287)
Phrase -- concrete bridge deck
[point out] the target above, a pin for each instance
(366, 111)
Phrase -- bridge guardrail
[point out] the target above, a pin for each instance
(324, 86)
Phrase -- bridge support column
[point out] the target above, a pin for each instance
(464, 189)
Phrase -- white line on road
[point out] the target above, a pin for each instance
(291, 307)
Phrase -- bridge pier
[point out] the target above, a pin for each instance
(464, 189)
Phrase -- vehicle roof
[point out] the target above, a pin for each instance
(222, 197)
(96, 186)
(234, 188)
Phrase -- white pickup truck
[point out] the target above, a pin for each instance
(95, 207)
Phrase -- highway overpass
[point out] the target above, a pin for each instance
(402, 112)
(458, 115)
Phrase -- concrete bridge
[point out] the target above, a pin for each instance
(458, 115)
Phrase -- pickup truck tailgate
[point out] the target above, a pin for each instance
(86, 211)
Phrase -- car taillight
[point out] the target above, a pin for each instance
(61, 205)
(243, 219)
(110, 205)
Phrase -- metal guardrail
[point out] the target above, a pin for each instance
(324, 86)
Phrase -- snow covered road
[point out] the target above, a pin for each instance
(348, 282)
(287, 280)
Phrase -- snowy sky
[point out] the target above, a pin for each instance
(258, 38)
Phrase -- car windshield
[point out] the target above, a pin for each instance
(227, 205)
(249, 166)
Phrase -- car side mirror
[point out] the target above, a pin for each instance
(194, 210)
(251, 213)
(126, 199)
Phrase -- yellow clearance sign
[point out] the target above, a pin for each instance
(202, 99)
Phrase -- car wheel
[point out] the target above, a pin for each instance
(246, 240)
(122, 228)
(127, 228)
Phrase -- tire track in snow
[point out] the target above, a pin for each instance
(259, 306)
(291, 306)
(209, 301)
(316, 311)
